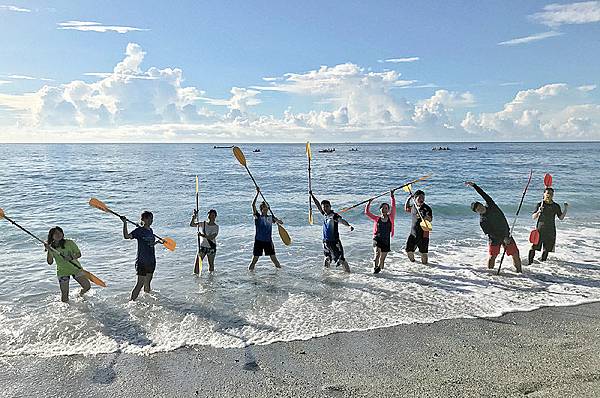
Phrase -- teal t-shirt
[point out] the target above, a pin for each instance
(64, 267)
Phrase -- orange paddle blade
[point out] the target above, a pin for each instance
(94, 279)
(1, 213)
(98, 204)
(547, 180)
(169, 243)
(239, 155)
(283, 234)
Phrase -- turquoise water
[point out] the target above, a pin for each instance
(46, 185)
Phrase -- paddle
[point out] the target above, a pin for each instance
(425, 224)
(93, 278)
(283, 234)
(534, 235)
(198, 261)
(345, 209)
(98, 204)
(515, 220)
(309, 155)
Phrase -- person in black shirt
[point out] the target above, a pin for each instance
(544, 213)
(418, 238)
(494, 225)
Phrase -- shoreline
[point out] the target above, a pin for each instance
(547, 352)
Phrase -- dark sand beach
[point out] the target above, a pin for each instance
(550, 352)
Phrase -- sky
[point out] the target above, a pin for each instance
(268, 71)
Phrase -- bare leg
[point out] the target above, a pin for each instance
(275, 261)
(64, 291)
(138, 286)
(211, 262)
(344, 264)
(382, 259)
(517, 261)
(424, 258)
(84, 282)
(376, 259)
(147, 282)
(491, 262)
(253, 263)
(411, 256)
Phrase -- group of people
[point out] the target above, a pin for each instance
(492, 221)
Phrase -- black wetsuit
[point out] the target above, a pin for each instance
(493, 221)
(546, 225)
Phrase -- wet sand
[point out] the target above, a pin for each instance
(550, 352)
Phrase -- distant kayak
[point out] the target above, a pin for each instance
(328, 150)
(221, 147)
(472, 148)
(256, 150)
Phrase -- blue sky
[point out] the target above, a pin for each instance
(283, 71)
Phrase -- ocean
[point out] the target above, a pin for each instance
(46, 185)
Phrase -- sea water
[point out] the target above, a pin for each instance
(46, 185)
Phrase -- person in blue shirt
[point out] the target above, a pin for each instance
(332, 245)
(263, 240)
(145, 262)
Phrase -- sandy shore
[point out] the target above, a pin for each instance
(550, 352)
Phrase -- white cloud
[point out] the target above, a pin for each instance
(554, 15)
(5, 82)
(13, 8)
(529, 39)
(24, 77)
(398, 60)
(586, 88)
(86, 26)
(553, 111)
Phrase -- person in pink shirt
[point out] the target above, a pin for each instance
(383, 230)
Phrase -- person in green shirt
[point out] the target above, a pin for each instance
(65, 262)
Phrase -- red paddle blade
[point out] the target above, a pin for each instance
(534, 237)
(547, 180)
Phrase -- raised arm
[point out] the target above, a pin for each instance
(254, 211)
(407, 205)
(481, 192)
(393, 209)
(368, 211)
(194, 221)
(126, 234)
(317, 203)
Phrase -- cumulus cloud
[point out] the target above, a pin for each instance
(13, 8)
(553, 111)
(554, 15)
(88, 26)
(529, 39)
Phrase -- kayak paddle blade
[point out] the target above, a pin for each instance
(310, 217)
(94, 279)
(169, 244)
(547, 180)
(534, 237)
(308, 151)
(283, 234)
(426, 226)
(98, 204)
(198, 265)
(407, 188)
(239, 155)
(1, 213)
(196, 184)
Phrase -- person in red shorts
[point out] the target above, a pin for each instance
(494, 224)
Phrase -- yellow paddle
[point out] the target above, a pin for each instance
(93, 278)
(283, 234)
(425, 224)
(310, 213)
(98, 204)
(345, 209)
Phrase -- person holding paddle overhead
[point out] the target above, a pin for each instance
(332, 245)
(545, 213)
(419, 236)
(383, 229)
(494, 224)
(263, 239)
(145, 262)
(208, 245)
(65, 252)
